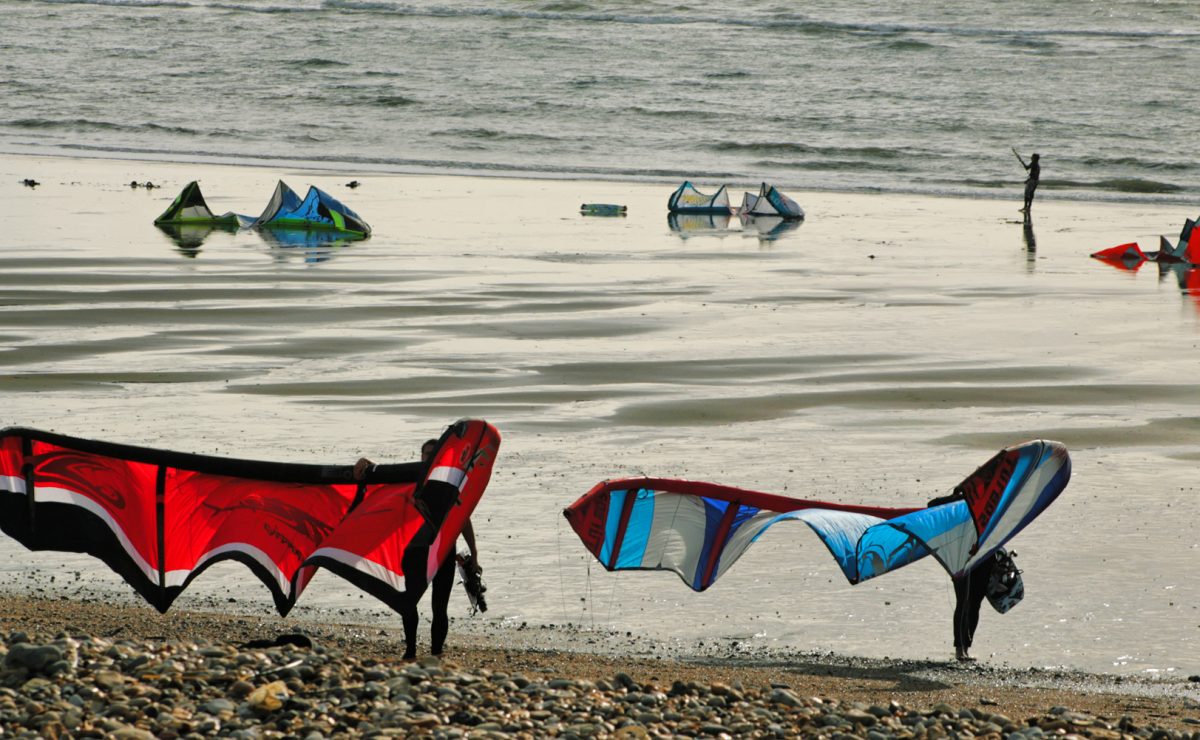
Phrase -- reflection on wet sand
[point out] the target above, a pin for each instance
(687, 225)
(1186, 275)
(766, 228)
(1030, 241)
(311, 245)
(188, 238)
(1188, 278)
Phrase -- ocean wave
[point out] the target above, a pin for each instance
(687, 114)
(833, 165)
(125, 3)
(1138, 163)
(570, 6)
(987, 183)
(83, 124)
(392, 101)
(755, 147)
(603, 81)
(1119, 184)
(189, 4)
(1032, 43)
(574, 12)
(316, 63)
(908, 45)
(493, 135)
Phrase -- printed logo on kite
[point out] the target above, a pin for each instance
(64, 469)
(295, 518)
(985, 487)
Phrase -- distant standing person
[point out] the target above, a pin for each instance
(413, 564)
(1031, 181)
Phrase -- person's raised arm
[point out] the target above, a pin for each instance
(1022, 161)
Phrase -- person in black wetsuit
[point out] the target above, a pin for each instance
(434, 508)
(969, 591)
(1031, 181)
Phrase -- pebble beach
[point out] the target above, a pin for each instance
(73, 669)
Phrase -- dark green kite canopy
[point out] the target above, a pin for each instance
(189, 208)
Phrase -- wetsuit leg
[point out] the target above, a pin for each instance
(410, 618)
(978, 589)
(962, 597)
(443, 584)
(969, 592)
(413, 565)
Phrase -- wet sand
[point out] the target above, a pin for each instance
(876, 354)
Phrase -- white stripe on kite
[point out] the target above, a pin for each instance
(447, 474)
(177, 577)
(362, 565)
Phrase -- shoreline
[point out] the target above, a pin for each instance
(378, 169)
(1023, 695)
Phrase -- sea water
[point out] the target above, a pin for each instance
(914, 96)
(875, 354)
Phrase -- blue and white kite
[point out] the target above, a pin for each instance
(698, 530)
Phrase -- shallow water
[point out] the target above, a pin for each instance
(876, 354)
